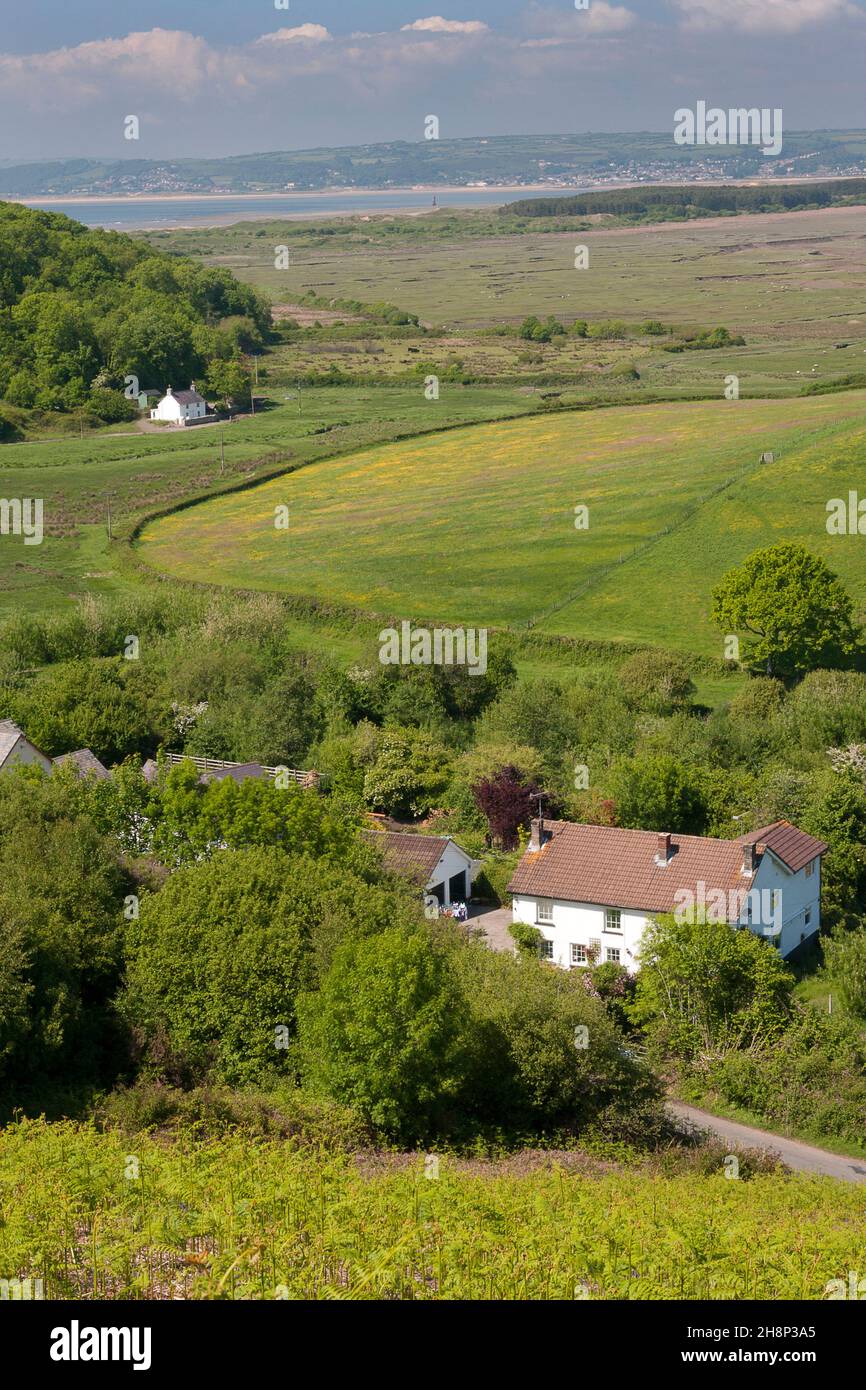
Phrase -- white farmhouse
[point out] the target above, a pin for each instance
(435, 863)
(16, 748)
(180, 407)
(592, 889)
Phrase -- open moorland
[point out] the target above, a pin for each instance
(792, 284)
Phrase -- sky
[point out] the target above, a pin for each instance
(219, 77)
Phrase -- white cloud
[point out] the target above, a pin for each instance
(155, 60)
(574, 26)
(304, 33)
(437, 25)
(764, 16)
(607, 19)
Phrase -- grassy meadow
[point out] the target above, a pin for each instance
(478, 526)
(135, 473)
(101, 1215)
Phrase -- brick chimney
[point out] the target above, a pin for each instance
(538, 836)
(663, 850)
(748, 859)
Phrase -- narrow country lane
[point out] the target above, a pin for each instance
(801, 1157)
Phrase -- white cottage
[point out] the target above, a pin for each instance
(591, 889)
(16, 748)
(180, 407)
(435, 863)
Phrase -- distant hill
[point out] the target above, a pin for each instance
(496, 159)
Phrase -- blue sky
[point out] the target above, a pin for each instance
(217, 77)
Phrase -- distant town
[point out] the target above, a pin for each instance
(550, 161)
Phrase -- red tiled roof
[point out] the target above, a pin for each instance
(794, 847)
(612, 867)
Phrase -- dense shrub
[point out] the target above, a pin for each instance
(656, 792)
(218, 955)
(656, 681)
(705, 988)
(541, 1052)
(381, 1035)
(811, 1079)
(62, 893)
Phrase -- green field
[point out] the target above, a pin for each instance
(109, 1216)
(79, 478)
(476, 525)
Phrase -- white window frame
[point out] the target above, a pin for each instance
(609, 913)
(613, 955)
(545, 949)
(576, 948)
(544, 911)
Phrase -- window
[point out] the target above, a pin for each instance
(810, 869)
(808, 915)
(612, 920)
(613, 954)
(545, 912)
(545, 950)
(579, 954)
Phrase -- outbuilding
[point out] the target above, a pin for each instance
(436, 863)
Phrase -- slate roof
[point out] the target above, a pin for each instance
(612, 867)
(9, 736)
(188, 397)
(416, 855)
(237, 774)
(85, 762)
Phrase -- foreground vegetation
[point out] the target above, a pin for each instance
(235, 1218)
